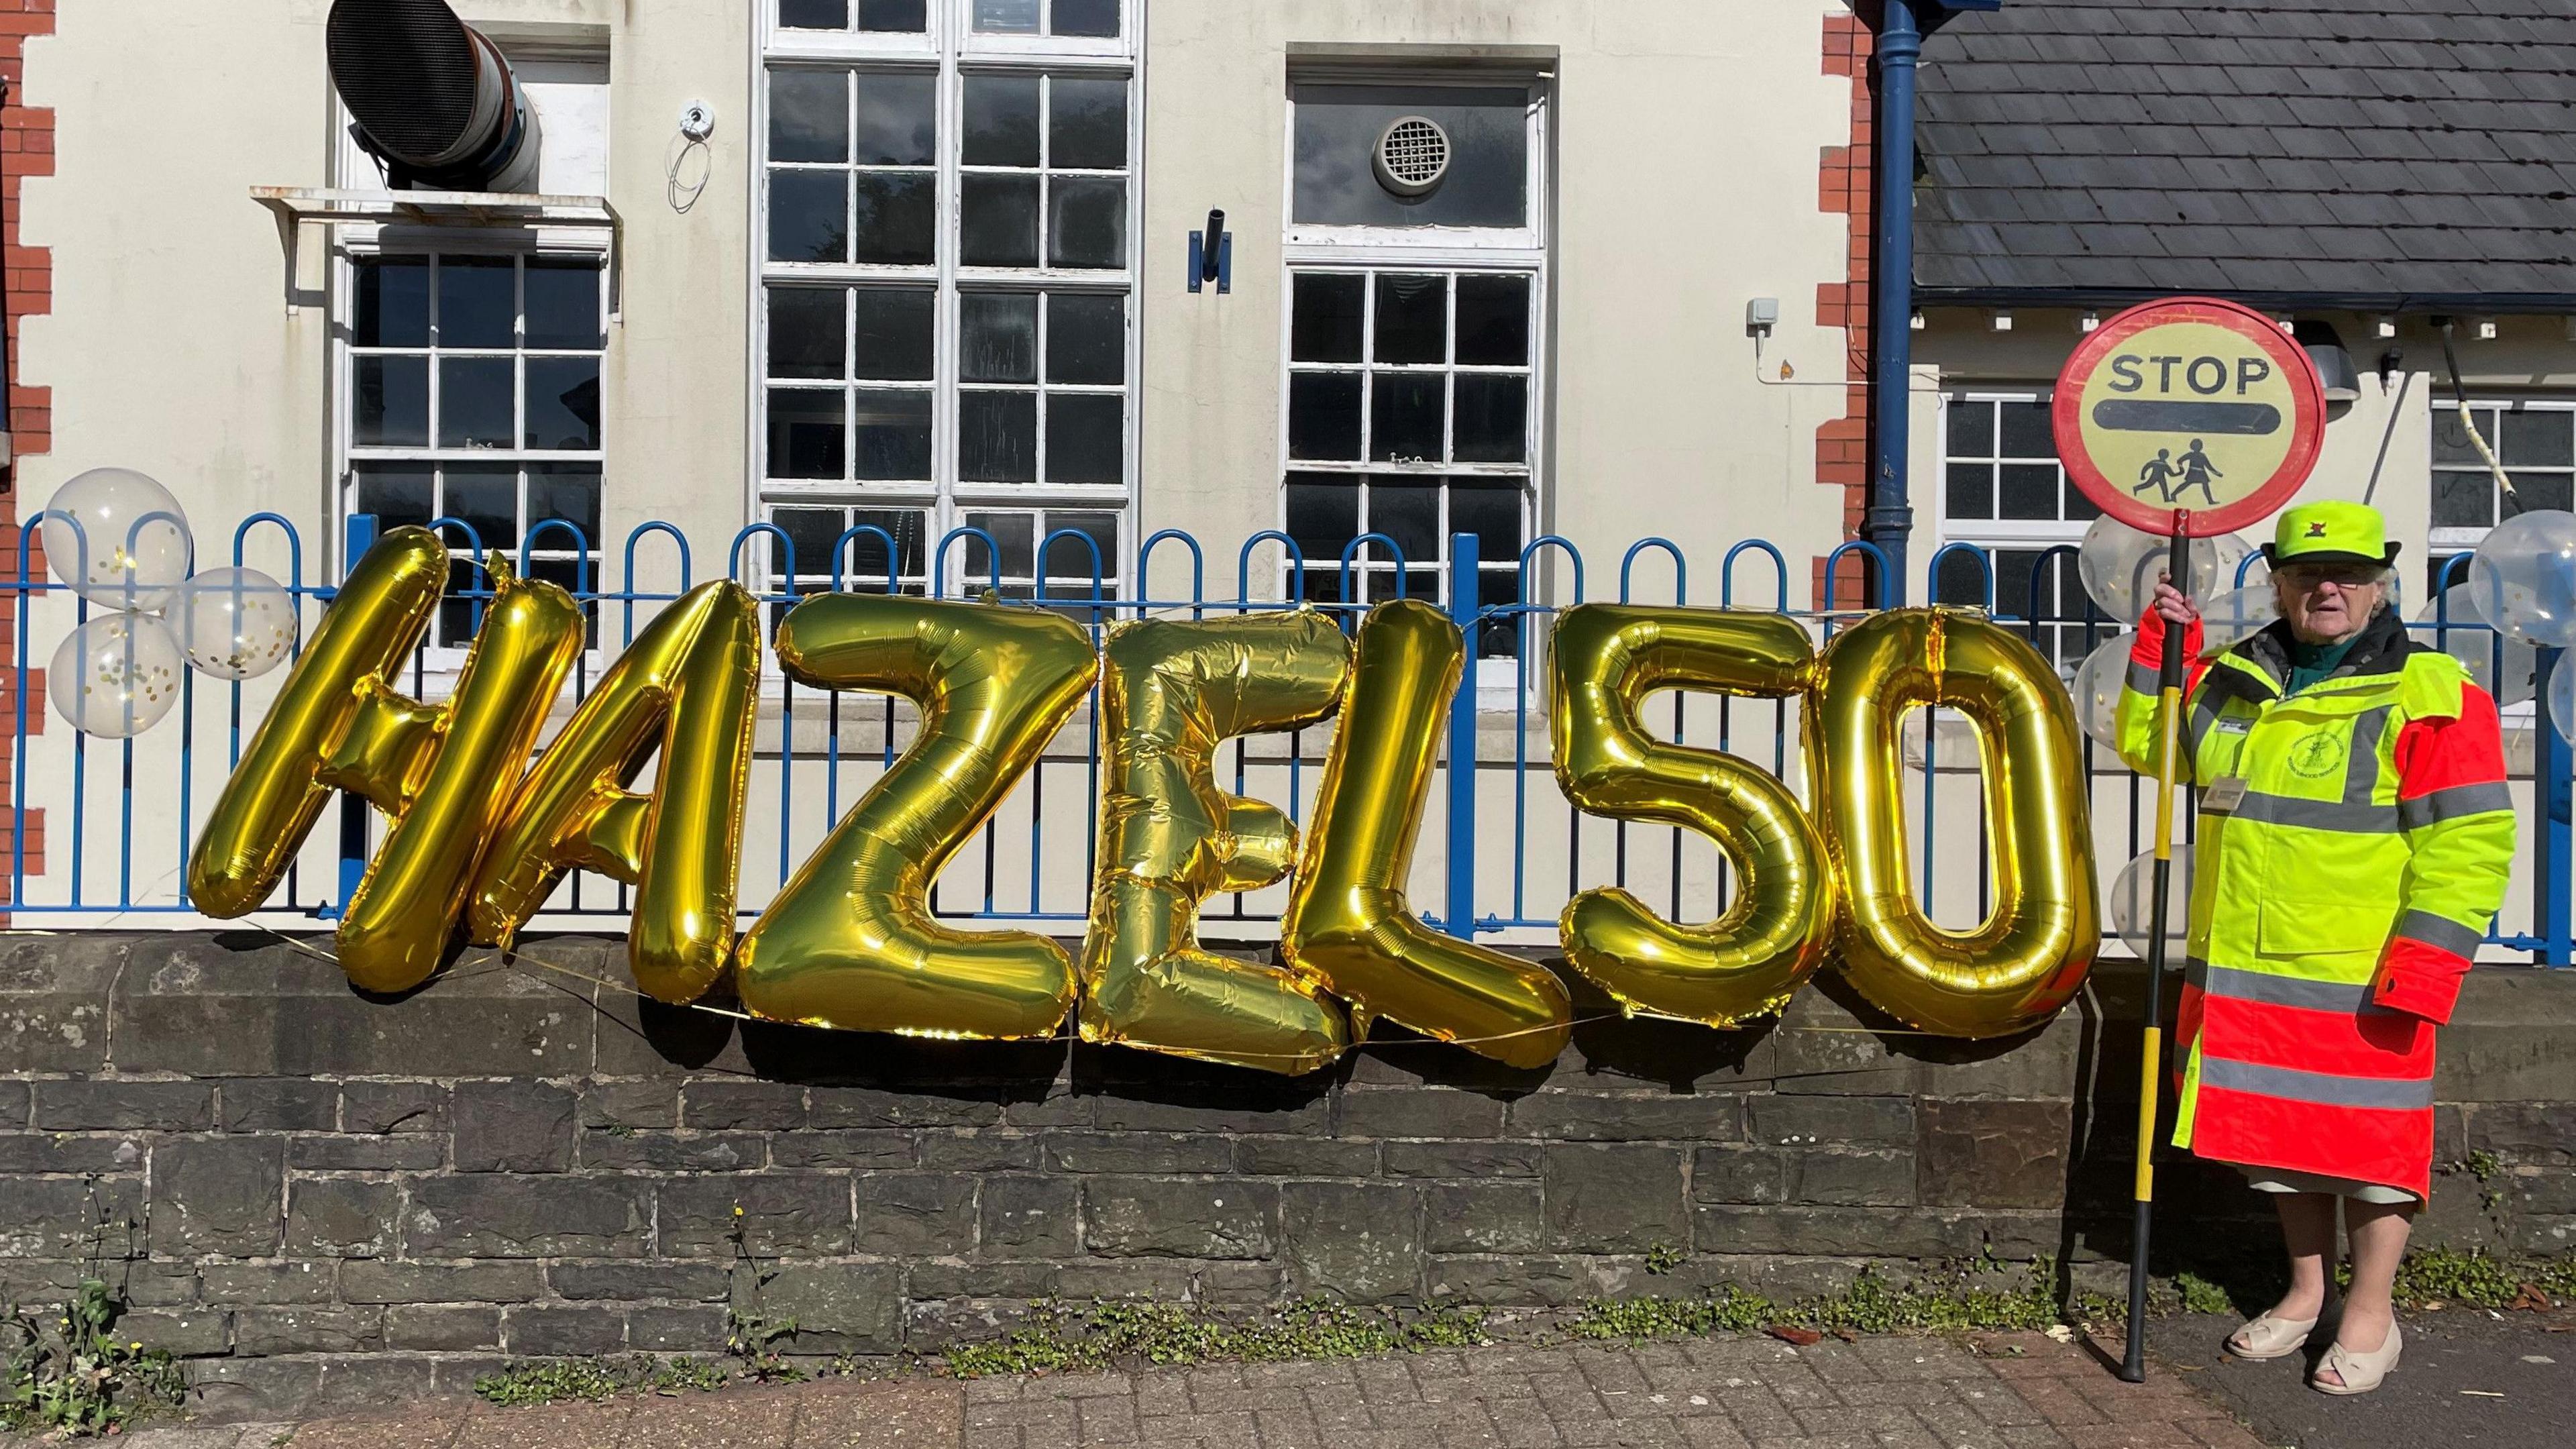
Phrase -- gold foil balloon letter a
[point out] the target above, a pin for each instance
(1169, 838)
(686, 690)
(1607, 659)
(2015, 970)
(1348, 924)
(850, 942)
(444, 774)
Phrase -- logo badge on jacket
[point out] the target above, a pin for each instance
(2316, 754)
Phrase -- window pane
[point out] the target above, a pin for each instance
(893, 429)
(2079, 509)
(894, 327)
(1492, 513)
(1085, 17)
(569, 491)
(998, 223)
(1089, 120)
(1007, 17)
(1405, 416)
(1961, 579)
(2542, 490)
(1327, 317)
(563, 402)
(563, 302)
(1014, 534)
(1412, 319)
(2027, 433)
(486, 495)
(896, 217)
(805, 433)
(2537, 440)
(809, 216)
(897, 119)
(2451, 441)
(1493, 321)
(998, 336)
(809, 115)
(1086, 338)
(393, 402)
(478, 302)
(813, 14)
(2029, 490)
(1972, 430)
(997, 437)
(393, 302)
(476, 402)
(1338, 126)
(1972, 490)
(1408, 512)
(1324, 415)
(2463, 500)
(1493, 419)
(865, 557)
(1087, 222)
(1001, 120)
(805, 332)
(908, 17)
(1323, 515)
(811, 532)
(396, 493)
(1086, 437)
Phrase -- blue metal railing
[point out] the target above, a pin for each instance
(1501, 852)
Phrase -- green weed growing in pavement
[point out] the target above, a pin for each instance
(751, 1336)
(80, 1376)
(554, 1381)
(2477, 1280)
(1983, 1293)
(1055, 1336)
(1662, 1258)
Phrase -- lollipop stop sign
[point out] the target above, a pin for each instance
(2190, 414)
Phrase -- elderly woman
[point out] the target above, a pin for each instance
(2355, 838)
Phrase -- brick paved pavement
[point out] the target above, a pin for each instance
(1999, 1392)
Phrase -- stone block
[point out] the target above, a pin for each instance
(1441, 1112)
(185, 1332)
(1360, 1241)
(1483, 1217)
(1129, 1217)
(1001, 1150)
(124, 1106)
(1246, 1283)
(417, 1152)
(863, 1148)
(1846, 1232)
(779, 1214)
(915, 1214)
(712, 1105)
(2533, 1132)
(1305, 1157)
(513, 1126)
(492, 1215)
(1837, 1061)
(1743, 1174)
(268, 1390)
(1831, 1121)
(1994, 1153)
(218, 1195)
(54, 1000)
(62, 1217)
(1629, 1117)
(672, 1151)
(442, 1328)
(640, 1105)
(2545, 1235)
(1247, 1109)
(2034, 1066)
(1058, 1105)
(2541, 1191)
(387, 1107)
(1522, 1280)
(1868, 1177)
(1031, 1217)
(285, 1282)
(1461, 1159)
(854, 1308)
(1165, 1278)
(1128, 1152)
(366, 1282)
(64, 1152)
(278, 1104)
(915, 1107)
(1612, 1199)
(559, 1330)
(667, 1329)
(633, 1282)
(263, 1332)
(1014, 1280)
(344, 1217)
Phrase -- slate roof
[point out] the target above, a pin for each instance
(2361, 153)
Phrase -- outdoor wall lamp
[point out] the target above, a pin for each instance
(1212, 255)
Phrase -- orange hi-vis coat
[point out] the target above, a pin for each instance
(2355, 842)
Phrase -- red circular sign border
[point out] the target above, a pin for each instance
(2308, 409)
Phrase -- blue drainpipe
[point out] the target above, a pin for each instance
(1890, 518)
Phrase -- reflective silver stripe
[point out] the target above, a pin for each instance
(2271, 990)
(2319, 1087)
(2361, 767)
(2203, 715)
(2441, 933)
(2453, 803)
(2146, 679)
(2318, 814)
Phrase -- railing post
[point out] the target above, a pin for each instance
(2553, 783)
(353, 811)
(1464, 592)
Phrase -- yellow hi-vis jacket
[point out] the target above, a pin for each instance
(2355, 841)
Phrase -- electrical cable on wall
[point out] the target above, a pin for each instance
(2511, 501)
(697, 123)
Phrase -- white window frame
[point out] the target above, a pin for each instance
(1992, 534)
(951, 47)
(2488, 410)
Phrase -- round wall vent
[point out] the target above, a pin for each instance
(1412, 155)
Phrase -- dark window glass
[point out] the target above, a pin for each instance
(1408, 512)
(1405, 416)
(997, 437)
(478, 302)
(806, 327)
(904, 17)
(1492, 512)
(1326, 321)
(1088, 121)
(998, 222)
(1086, 338)
(893, 335)
(811, 532)
(1960, 580)
(1007, 17)
(1087, 222)
(2451, 440)
(2463, 500)
(809, 216)
(2080, 509)
(2537, 440)
(893, 429)
(396, 493)
(2541, 490)
(2029, 490)
(896, 214)
(1001, 120)
(1068, 558)
(563, 303)
(809, 115)
(1497, 637)
(393, 402)
(1487, 183)
(814, 14)
(1493, 419)
(1972, 490)
(1412, 319)
(1085, 17)
(393, 302)
(1015, 536)
(2027, 433)
(563, 402)
(1324, 415)
(1972, 429)
(569, 491)
(476, 402)
(897, 119)
(805, 434)
(998, 336)
(485, 495)
(866, 557)
(1493, 321)
(1086, 437)
(1323, 515)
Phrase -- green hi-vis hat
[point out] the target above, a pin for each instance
(2332, 532)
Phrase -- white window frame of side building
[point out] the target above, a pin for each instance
(1519, 250)
(946, 498)
(1994, 533)
(2441, 541)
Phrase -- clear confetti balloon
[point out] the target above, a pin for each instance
(2133, 899)
(2120, 566)
(234, 623)
(117, 675)
(2235, 616)
(2562, 700)
(117, 539)
(2465, 637)
(2097, 687)
(2523, 578)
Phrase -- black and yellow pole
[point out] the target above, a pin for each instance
(2169, 684)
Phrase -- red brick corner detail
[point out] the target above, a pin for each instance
(27, 284)
(1846, 185)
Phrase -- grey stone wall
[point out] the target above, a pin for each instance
(317, 1195)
